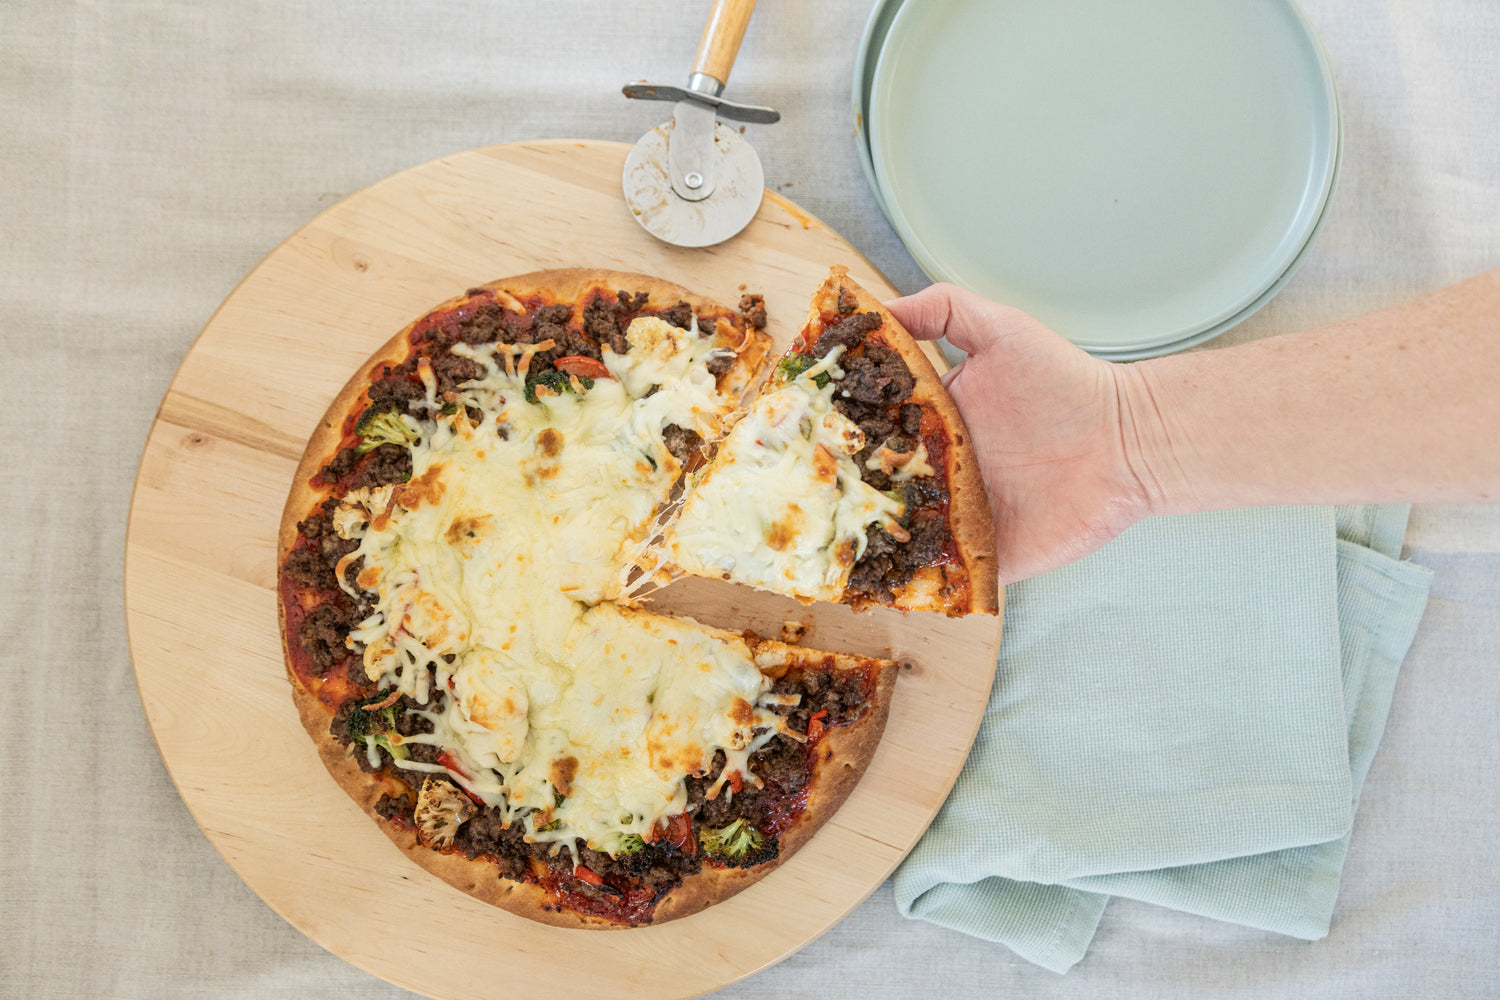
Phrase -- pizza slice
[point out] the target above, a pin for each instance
(570, 401)
(678, 790)
(851, 477)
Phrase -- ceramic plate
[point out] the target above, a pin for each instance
(870, 42)
(1139, 176)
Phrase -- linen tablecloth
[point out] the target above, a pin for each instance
(152, 151)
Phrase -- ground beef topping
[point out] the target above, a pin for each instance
(680, 315)
(753, 308)
(606, 321)
(322, 634)
(875, 393)
(681, 442)
(847, 333)
(878, 377)
(847, 302)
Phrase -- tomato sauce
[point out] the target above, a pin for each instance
(334, 687)
(448, 320)
(786, 811)
(628, 905)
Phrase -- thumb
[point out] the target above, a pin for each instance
(967, 320)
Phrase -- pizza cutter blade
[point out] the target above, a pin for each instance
(694, 181)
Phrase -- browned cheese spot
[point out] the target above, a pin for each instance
(782, 533)
(825, 465)
(426, 488)
(562, 774)
(464, 528)
(549, 442)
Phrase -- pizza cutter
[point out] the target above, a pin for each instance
(694, 181)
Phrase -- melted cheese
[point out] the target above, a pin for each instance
(901, 466)
(582, 722)
(783, 506)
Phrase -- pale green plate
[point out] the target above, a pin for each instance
(879, 22)
(1140, 176)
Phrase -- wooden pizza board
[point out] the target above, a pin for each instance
(200, 579)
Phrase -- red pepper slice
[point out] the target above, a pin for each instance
(583, 367)
(586, 875)
(736, 782)
(815, 727)
(679, 831)
(451, 763)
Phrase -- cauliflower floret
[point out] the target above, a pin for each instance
(358, 508)
(441, 809)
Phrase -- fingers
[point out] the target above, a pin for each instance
(925, 314)
(967, 320)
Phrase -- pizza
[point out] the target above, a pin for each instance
(850, 476)
(459, 563)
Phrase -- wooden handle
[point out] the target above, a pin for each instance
(721, 38)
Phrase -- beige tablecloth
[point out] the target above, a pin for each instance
(152, 151)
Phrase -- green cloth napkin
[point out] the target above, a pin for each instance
(1186, 718)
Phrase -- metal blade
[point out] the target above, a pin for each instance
(690, 151)
(737, 187)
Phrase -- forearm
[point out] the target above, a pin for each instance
(1398, 405)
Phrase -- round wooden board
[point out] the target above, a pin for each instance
(201, 606)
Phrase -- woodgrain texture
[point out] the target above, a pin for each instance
(721, 38)
(201, 607)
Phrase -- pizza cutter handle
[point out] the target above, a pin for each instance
(721, 39)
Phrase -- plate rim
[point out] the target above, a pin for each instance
(1308, 222)
(877, 26)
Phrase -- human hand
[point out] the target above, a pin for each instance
(1050, 424)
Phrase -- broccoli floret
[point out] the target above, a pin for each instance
(903, 497)
(383, 427)
(739, 844)
(557, 381)
(626, 843)
(791, 368)
(377, 726)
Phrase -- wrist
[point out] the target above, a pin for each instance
(1154, 475)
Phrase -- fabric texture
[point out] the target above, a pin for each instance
(152, 151)
(1184, 718)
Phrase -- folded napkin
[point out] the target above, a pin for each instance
(1185, 718)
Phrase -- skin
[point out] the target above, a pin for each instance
(1400, 405)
